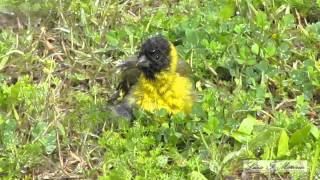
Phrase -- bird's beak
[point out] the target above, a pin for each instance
(143, 62)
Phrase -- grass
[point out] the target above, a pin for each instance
(255, 67)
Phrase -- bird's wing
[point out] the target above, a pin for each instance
(129, 76)
(183, 68)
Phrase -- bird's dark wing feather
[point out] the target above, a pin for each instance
(129, 76)
(183, 68)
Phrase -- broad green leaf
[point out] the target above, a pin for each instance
(239, 28)
(244, 55)
(227, 11)
(300, 136)
(241, 137)
(212, 123)
(49, 141)
(162, 160)
(255, 48)
(263, 66)
(39, 129)
(264, 136)
(283, 144)
(46, 136)
(244, 52)
(247, 124)
(112, 40)
(270, 50)
(314, 131)
(214, 166)
(251, 60)
(287, 21)
(260, 94)
(262, 20)
(240, 61)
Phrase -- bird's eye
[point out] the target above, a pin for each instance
(157, 56)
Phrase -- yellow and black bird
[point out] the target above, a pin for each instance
(155, 79)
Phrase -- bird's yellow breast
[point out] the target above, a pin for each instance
(169, 91)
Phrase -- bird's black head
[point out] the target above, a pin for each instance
(154, 56)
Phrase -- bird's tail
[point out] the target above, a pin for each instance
(122, 109)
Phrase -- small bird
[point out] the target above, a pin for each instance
(154, 79)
